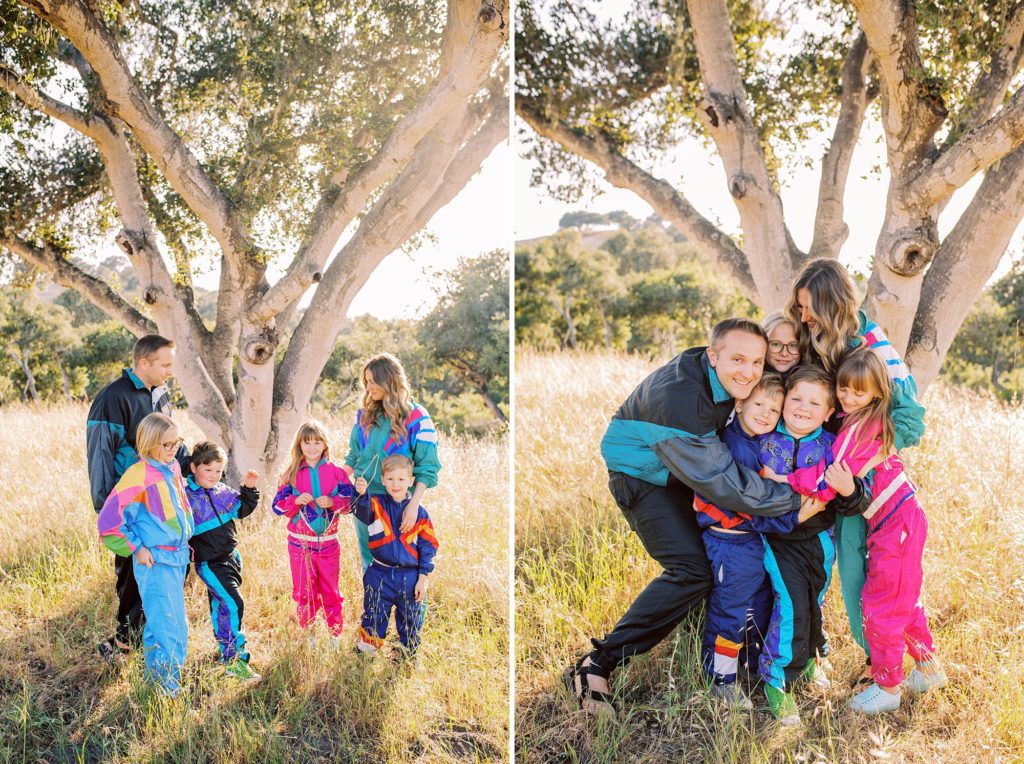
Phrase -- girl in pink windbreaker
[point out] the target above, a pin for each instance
(314, 492)
(894, 617)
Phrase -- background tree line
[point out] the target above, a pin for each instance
(56, 345)
(611, 281)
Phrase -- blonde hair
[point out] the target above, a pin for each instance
(814, 375)
(771, 384)
(150, 434)
(395, 462)
(773, 320)
(834, 303)
(311, 430)
(864, 370)
(387, 372)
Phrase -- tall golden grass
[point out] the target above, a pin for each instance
(578, 567)
(317, 702)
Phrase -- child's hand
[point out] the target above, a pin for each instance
(840, 478)
(809, 507)
(251, 478)
(361, 485)
(421, 589)
(770, 474)
(144, 557)
(325, 502)
(303, 499)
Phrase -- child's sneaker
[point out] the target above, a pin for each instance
(783, 706)
(919, 681)
(874, 700)
(815, 674)
(241, 669)
(733, 695)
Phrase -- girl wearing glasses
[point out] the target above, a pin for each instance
(823, 304)
(783, 347)
(147, 516)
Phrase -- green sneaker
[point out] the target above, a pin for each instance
(783, 706)
(240, 669)
(815, 674)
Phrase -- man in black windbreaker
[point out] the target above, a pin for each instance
(110, 449)
(661, 446)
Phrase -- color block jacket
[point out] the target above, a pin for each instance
(214, 511)
(311, 526)
(148, 508)
(369, 446)
(110, 431)
(670, 424)
(383, 516)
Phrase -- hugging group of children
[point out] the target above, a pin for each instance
(164, 522)
(770, 575)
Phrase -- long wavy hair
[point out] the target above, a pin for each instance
(387, 372)
(834, 304)
(864, 370)
(311, 430)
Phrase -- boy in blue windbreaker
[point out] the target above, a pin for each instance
(397, 577)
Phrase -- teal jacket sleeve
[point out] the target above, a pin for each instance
(907, 413)
(423, 443)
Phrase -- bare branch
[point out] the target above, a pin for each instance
(667, 201)
(830, 230)
(340, 205)
(48, 258)
(40, 101)
(985, 144)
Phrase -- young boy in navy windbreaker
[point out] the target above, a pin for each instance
(215, 507)
(397, 577)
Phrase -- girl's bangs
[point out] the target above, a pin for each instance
(856, 375)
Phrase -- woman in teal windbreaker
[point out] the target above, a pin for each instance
(391, 422)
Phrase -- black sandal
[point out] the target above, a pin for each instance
(865, 678)
(110, 651)
(585, 692)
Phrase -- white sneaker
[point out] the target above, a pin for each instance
(874, 700)
(918, 681)
(733, 695)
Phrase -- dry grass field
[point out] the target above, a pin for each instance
(59, 703)
(578, 567)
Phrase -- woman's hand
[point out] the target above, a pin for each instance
(144, 557)
(412, 510)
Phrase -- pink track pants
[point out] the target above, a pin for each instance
(315, 584)
(894, 617)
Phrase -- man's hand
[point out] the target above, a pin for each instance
(361, 485)
(144, 557)
(421, 588)
(809, 507)
(840, 478)
(325, 502)
(770, 474)
(409, 517)
(251, 478)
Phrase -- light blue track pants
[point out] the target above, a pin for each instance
(165, 637)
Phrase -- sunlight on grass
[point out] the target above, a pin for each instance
(58, 702)
(578, 567)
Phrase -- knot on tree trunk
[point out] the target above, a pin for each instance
(739, 183)
(130, 242)
(720, 107)
(259, 348)
(911, 249)
(490, 17)
(151, 294)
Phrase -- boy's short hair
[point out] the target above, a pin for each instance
(206, 452)
(735, 324)
(148, 345)
(815, 375)
(395, 462)
(771, 384)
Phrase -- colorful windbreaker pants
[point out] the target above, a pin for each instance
(315, 584)
(223, 579)
(800, 570)
(385, 589)
(893, 613)
(165, 636)
(739, 604)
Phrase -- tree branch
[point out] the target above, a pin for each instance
(48, 258)
(985, 144)
(666, 200)
(830, 230)
(36, 99)
(340, 204)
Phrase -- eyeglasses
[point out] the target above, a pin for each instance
(777, 347)
(173, 445)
